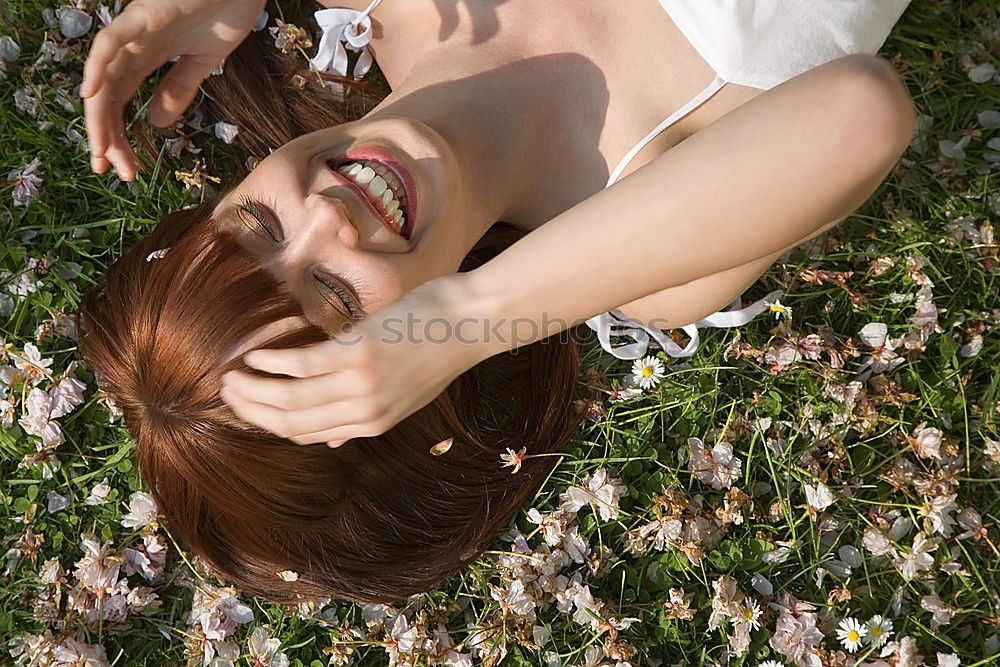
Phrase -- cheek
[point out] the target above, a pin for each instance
(384, 282)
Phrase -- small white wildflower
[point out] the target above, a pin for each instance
(142, 510)
(26, 182)
(818, 496)
(718, 468)
(749, 613)
(264, 648)
(647, 372)
(850, 633)
(879, 629)
(99, 494)
(937, 513)
(771, 663)
(623, 394)
(926, 441)
(779, 309)
(919, 559)
(513, 459)
(598, 489)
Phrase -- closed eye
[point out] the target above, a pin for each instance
(345, 292)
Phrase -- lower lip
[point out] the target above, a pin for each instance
(389, 161)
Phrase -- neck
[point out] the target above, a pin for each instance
(495, 100)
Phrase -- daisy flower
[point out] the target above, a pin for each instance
(749, 613)
(779, 309)
(850, 633)
(647, 372)
(771, 663)
(879, 629)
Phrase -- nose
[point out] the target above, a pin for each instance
(328, 218)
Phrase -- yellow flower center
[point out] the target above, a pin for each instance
(647, 371)
(776, 308)
(748, 613)
(876, 631)
(853, 636)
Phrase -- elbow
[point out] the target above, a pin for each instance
(881, 112)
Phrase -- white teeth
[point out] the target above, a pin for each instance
(377, 186)
(382, 185)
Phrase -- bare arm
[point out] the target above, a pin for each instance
(788, 162)
(780, 166)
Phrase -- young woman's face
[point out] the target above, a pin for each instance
(331, 232)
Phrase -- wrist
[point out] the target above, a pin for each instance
(473, 311)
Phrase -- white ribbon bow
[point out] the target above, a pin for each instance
(339, 26)
(603, 323)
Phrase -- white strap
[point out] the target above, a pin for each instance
(602, 324)
(706, 93)
(343, 25)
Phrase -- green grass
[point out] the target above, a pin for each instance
(81, 221)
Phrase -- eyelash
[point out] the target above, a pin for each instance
(251, 206)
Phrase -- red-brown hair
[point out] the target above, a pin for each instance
(376, 520)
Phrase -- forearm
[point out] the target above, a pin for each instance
(805, 153)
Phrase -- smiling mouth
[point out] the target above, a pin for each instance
(383, 186)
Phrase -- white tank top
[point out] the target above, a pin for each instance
(755, 43)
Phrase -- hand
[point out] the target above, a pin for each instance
(365, 381)
(144, 36)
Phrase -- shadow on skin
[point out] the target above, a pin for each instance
(583, 169)
(485, 22)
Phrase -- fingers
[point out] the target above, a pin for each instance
(106, 126)
(109, 40)
(300, 362)
(104, 119)
(178, 88)
(340, 420)
(289, 394)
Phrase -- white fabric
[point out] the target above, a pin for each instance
(756, 43)
(339, 26)
(761, 43)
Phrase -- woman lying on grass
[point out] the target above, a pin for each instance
(363, 256)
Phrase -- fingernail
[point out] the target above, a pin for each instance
(84, 91)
